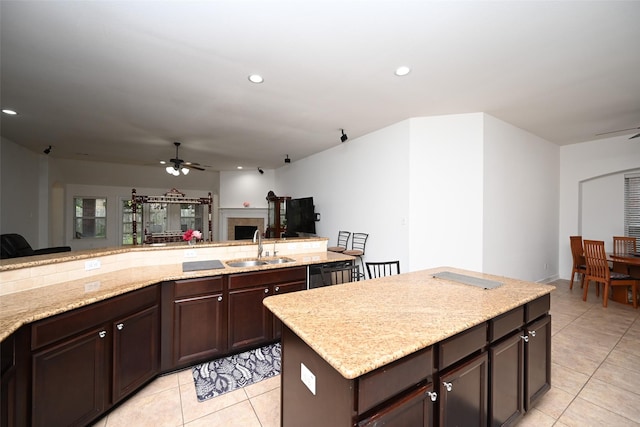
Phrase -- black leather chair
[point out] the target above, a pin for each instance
(14, 246)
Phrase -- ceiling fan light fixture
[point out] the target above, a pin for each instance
(169, 170)
(185, 171)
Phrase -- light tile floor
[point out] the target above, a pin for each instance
(595, 378)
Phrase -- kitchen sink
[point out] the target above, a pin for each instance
(278, 260)
(246, 263)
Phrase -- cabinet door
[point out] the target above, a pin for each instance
(249, 320)
(463, 394)
(199, 329)
(412, 410)
(283, 289)
(135, 351)
(537, 360)
(507, 381)
(70, 380)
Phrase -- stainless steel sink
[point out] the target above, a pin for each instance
(278, 260)
(246, 263)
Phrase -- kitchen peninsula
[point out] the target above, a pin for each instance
(414, 350)
(101, 324)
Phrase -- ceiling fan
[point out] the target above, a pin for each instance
(621, 130)
(179, 165)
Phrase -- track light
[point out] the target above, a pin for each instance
(260, 170)
(47, 150)
(344, 136)
(287, 159)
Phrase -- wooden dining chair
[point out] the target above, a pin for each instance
(336, 275)
(382, 269)
(598, 272)
(579, 266)
(624, 245)
(341, 244)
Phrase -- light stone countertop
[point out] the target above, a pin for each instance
(20, 308)
(361, 326)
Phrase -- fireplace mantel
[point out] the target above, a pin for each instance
(230, 217)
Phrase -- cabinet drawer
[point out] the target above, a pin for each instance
(537, 308)
(462, 345)
(281, 275)
(64, 325)
(505, 323)
(195, 287)
(384, 383)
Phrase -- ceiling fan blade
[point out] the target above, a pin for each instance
(635, 136)
(616, 131)
(191, 166)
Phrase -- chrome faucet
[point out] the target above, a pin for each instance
(257, 237)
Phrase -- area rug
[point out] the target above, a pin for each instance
(239, 370)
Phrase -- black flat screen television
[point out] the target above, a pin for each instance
(301, 217)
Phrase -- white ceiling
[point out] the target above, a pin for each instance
(120, 81)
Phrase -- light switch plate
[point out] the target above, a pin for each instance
(308, 378)
(190, 253)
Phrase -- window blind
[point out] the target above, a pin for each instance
(632, 205)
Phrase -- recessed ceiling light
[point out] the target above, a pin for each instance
(402, 71)
(256, 78)
(238, 167)
(162, 162)
(9, 112)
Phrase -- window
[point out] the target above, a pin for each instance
(127, 222)
(90, 218)
(632, 205)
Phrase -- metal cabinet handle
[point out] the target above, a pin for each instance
(266, 291)
(433, 395)
(219, 298)
(120, 326)
(525, 338)
(102, 334)
(277, 288)
(447, 385)
(532, 333)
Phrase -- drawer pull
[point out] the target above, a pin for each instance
(277, 288)
(433, 395)
(266, 291)
(447, 385)
(219, 298)
(525, 338)
(532, 333)
(120, 326)
(102, 334)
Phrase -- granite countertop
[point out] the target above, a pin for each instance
(361, 326)
(19, 308)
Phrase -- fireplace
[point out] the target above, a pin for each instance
(243, 232)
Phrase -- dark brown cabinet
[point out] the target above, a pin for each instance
(276, 216)
(507, 381)
(80, 355)
(463, 393)
(537, 360)
(250, 323)
(194, 321)
(70, 380)
(415, 409)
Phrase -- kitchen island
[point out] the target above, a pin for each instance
(414, 349)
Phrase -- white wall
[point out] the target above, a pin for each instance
(247, 186)
(20, 185)
(446, 191)
(359, 186)
(582, 166)
(521, 174)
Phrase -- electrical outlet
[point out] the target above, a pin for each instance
(92, 264)
(190, 253)
(307, 377)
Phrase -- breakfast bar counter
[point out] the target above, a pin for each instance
(339, 339)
